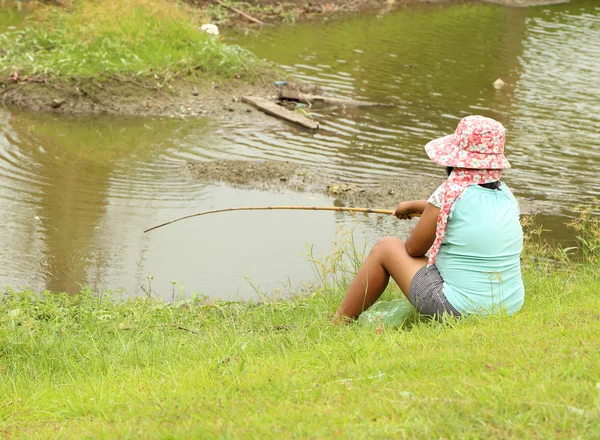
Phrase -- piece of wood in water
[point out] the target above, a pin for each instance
(295, 95)
(273, 109)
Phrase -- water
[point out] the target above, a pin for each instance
(78, 192)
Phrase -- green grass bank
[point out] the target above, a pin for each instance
(123, 57)
(92, 367)
(157, 39)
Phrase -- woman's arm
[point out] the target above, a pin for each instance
(406, 209)
(423, 235)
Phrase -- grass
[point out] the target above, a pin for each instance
(91, 366)
(156, 39)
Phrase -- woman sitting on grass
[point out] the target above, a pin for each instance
(471, 226)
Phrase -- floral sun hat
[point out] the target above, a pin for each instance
(477, 143)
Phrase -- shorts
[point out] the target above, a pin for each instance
(427, 293)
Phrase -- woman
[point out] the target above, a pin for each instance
(471, 226)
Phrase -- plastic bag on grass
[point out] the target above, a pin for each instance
(387, 313)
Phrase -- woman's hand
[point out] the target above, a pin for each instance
(406, 210)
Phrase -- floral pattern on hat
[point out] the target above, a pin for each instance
(477, 143)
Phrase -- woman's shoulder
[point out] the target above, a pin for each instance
(503, 191)
(483, 197)
(437, 198)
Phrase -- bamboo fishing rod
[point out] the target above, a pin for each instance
(266, 208)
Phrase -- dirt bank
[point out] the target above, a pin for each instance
(220, 99)
(183, 98)
(270, 175)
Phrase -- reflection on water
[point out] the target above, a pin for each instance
(78, 192)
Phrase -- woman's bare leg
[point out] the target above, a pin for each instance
(387, 258)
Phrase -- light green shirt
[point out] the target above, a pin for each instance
(479, 258)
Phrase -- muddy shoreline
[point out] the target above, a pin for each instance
(277, 176)
(186, 98)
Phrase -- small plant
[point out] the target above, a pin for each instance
(547, 258)
(587, 228)
(340, 266)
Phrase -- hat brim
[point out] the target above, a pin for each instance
(445, 151)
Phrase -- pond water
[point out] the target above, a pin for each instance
(77, 192)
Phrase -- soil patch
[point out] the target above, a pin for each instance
(181, 98)
(270, 175)
(220, 99)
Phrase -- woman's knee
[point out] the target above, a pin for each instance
(387, 245)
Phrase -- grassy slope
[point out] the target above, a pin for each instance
(156, 39)
(90, 367)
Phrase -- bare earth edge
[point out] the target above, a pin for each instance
(276, 176)
(184, 98)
